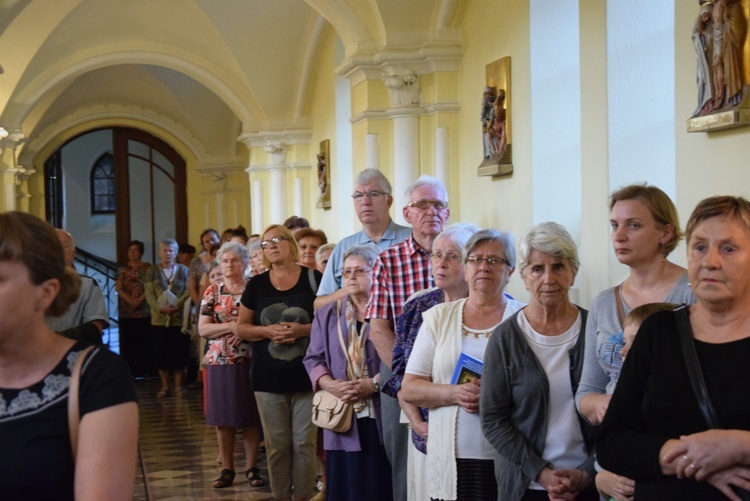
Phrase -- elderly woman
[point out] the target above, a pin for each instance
(276, 315)
(309, 242)
(322, 255)
(450, 285)
(35, 382)
(229, 402)
(531, 369)
(459, 458)
(356, 466)
(256, 258)
(136, 345)
(655, 430)
(166, 292)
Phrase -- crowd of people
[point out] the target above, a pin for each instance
(457, 391)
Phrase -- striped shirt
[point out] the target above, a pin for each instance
(398, 273)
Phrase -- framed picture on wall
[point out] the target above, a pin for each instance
(722, 52)
(497, 154)
(324, 179)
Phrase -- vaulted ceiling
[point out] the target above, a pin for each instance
(206, 70)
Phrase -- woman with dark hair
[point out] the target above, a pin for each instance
(166, 292)
(136, 344)
(43, 457)
(657, 430)
(309, 242)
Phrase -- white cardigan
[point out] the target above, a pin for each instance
(443, 323)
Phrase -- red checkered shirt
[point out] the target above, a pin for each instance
(398, 273)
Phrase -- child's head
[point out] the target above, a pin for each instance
(634, 320)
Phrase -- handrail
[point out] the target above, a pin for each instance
(104, 272)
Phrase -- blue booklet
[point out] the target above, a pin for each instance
(467, 370)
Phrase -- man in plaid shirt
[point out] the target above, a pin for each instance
(398, 273)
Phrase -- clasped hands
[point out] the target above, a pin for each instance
(563, 485)
(718, 457)
(351, 391)
(467, 396)
(284, 332)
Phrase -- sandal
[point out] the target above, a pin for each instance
(226, 479)
(253, 475)
(163, 393)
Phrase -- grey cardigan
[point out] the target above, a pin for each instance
(513, 407)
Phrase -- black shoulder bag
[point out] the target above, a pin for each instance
(697, 381)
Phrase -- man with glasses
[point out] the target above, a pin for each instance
(399, 272)
(372, 199)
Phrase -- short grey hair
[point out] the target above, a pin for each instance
(368, 252)
(368, 175)
(170, 242)
(425, 180)
(504, 238)
(253, 246)
(552, 239)
(237, 248)
(321, 250)
(457, 234)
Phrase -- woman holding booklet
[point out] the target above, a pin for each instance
(448, 331)
(531, 370)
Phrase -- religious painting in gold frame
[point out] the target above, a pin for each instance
(497, 147)
(324, 178)
(722, 52)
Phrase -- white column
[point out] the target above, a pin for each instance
(404, 92)
(278, 200)
(372, 151)
(442, 155)
(299, 198)
(236, 213)
(257, 206)
(207, 215)
(405, 157)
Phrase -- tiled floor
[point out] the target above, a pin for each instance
(179, 451)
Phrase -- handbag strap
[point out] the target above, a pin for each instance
(341, 334)
(620, 309)
(694, 368)
(73, 411)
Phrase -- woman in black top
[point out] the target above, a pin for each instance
(35, 367)
(654, 431)
(276, 315)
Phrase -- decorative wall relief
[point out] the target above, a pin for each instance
(324, 183)
(722, 51)
(497, 149)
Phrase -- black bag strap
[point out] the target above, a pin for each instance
(694, 368)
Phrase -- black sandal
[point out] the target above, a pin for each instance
(253, 475)
(226, 479)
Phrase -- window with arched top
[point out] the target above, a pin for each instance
(103, 185)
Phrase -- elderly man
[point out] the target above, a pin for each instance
(372, 199)
(87, 316)
(399, 272)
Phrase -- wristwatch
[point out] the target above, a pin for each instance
(377, 386)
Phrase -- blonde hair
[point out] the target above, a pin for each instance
(640, 313)
(289, 237)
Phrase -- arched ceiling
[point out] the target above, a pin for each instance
(216, 69)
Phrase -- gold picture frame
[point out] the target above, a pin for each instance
(324, 178)
(497, 155)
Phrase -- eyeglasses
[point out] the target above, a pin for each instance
(276, 240)
(426, 204)
(356, 272)
(449, 258)
(373, 194)
(493, 262)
